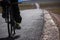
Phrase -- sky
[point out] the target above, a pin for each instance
(22, 0)
(39, 0)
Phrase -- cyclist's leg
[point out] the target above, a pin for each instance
(16, 15)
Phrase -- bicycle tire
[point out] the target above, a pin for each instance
(11, 29)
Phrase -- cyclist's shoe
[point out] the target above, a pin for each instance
(18, 19)
(17, 26)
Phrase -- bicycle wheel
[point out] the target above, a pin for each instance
(11, 28)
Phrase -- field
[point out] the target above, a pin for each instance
(24, 7)
(55, 10)
(53, 7)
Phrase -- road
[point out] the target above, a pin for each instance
(31, 26)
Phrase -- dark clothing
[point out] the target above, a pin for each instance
(14, 8)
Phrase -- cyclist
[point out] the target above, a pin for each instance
(15, 11)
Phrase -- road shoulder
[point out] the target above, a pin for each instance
(50, 30)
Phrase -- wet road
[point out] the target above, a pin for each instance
(31, 25)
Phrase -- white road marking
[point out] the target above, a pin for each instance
(37, 5)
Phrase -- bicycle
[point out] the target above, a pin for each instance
(10, 22)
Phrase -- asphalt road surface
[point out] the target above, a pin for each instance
(31, 26)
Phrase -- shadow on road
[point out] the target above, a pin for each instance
(7, 38)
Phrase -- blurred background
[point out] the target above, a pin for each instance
(53, 6)
(50, 5)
